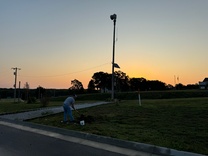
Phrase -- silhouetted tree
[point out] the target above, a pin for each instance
(91, 86)
(76, 87)
(25, 95)
(192, 86)
(156, 85)
(122, 81)
(169, 86)
(180, 86)
(138, 83)
(39, 92)
(102, 80)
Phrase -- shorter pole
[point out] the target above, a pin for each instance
(19, 92)
(140, 104)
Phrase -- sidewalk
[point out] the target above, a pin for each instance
(45, 111)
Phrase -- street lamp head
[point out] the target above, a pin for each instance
(113, 17)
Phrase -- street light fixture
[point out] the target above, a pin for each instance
(113, 17)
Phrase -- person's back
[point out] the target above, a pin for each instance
(69, 101)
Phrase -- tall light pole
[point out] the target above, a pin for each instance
(113, 17)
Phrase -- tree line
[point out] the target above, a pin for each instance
(100, 82)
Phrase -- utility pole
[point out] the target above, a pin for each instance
(15, 81)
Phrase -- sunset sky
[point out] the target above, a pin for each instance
(56, 41)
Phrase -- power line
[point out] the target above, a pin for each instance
(69, 73)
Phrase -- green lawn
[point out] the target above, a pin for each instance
(180, 124)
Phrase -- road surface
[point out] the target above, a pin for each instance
(21, 140)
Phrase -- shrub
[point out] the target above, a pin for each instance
(44, 101)
(31, 100)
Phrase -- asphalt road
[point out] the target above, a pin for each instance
(17, 142)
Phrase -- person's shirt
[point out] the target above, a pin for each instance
(69, 101)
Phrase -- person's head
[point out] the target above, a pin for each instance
(74, 96)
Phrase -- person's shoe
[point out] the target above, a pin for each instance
(65, 122)
(73, 122)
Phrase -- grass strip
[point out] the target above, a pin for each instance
(174, 123)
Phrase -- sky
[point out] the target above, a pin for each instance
(56, 41)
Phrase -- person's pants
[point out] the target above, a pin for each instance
(68, 111)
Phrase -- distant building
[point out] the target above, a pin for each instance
(204, 84)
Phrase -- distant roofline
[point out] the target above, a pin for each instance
(205, 79)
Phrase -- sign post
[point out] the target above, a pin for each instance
(140, 104)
